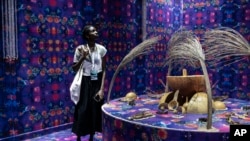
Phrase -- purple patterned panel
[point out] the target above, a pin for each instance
(163, 18)
(122, 32)
(48, 31)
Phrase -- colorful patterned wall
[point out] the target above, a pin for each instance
(34, 88)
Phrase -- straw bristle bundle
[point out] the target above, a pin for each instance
(223, 43)
(184, 47)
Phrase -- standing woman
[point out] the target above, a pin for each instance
(87, 116)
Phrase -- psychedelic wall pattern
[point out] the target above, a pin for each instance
(35, 87)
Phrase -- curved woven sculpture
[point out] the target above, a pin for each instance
(184, 48)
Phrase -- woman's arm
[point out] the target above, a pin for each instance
(77, 65)
(104, 72)
(101, 91)
(83, 54)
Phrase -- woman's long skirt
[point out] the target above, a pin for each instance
(88, 114)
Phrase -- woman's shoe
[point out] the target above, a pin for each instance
(91, 137)
(78, 138)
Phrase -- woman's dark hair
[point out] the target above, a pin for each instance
(86, 30)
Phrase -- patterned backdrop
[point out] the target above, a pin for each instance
(34, 88)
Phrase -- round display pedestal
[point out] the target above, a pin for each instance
(143, 121)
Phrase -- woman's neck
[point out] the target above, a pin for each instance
(91, 46)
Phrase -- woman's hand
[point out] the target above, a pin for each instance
(83, 51)
(99, 95)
